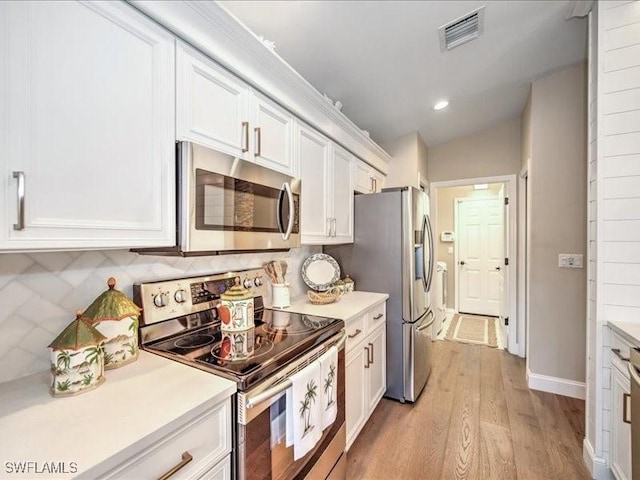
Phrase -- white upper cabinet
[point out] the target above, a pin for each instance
(313, 158)
(217, 109)
(272, 128)
(212, 106)
(366, 178)
(342, 195)
(327, 198)
(87, 127)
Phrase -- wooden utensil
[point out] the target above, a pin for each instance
(278, 270)
(283, 267)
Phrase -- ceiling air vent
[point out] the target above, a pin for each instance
(462, 30)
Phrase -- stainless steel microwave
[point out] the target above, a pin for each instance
(229, 205)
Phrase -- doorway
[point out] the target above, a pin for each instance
(495, 274)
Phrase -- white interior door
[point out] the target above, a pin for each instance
(480, 255)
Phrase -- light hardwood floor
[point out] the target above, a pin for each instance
(476, 419)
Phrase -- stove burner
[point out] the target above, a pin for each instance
(194, 341)
(228, 351)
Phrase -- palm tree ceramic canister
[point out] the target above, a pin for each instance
(236, 309)
(77, 363)
(116, 317)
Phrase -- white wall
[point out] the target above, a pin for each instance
(39, 292)
(557, 183)
(614, 201)
(491, 152)
(409, 164)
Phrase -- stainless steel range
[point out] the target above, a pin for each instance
(180, 321)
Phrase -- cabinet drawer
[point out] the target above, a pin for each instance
(376, 316)
(206, 438)
(618, 343)
(222, 471)
(356, 331)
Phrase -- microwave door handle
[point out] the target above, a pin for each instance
(287, 189)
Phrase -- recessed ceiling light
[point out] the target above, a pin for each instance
(441, 104)
(480, 186)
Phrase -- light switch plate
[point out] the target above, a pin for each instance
(570, 260)
(450, 250)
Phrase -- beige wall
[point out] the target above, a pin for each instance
(525, 130)
(409, 164)
(557, 183)
(491, 152)
(446, 207)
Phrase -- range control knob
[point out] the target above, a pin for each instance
(247, 283)
(180, 296)
(160, 300)
(257, 281)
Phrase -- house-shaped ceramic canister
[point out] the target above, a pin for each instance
(116, 317)
(77, 363)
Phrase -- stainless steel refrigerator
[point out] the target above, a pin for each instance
(392, 253)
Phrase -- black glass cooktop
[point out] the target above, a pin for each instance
(248, 356)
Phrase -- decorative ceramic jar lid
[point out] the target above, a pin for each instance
(78, 334)
(236, 293)
(348, 279)
(110, 305)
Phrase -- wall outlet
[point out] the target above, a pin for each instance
(570, 260)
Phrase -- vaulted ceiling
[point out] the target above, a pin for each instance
(382, 59)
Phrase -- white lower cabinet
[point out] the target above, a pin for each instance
(620, 458)
(200, 448)
(366, 368)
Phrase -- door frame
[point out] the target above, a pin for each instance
(456, 244)
(511, 184)
(524, 240)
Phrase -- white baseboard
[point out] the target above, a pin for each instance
(597, 466)
(559, 386)
(451, 312)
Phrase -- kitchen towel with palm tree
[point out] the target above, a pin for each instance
(304, 410)
(329, 375)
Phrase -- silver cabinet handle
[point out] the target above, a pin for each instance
(333, 220)
(371, 345)
(373, 189)
(258, 139)
(378, 317)
(20, 224)
(375, 185)
(625, 407)
(328, 227)
(616, 352)
(368, 361)
(186, 458)
(354, 335)
(245, 137)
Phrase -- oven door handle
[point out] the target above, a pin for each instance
(277, 389)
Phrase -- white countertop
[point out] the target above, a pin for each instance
(629, 331)
(349, 306)
(137, 404)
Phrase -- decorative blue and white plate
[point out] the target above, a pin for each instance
(320, 271)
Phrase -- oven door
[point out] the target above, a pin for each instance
(262, 453)
(229, 204)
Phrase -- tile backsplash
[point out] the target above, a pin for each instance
(39, 292)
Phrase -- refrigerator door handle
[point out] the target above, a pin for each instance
(427, 223)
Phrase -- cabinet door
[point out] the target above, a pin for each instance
(377, 371)
(87, 127)
(362, 180)
(222, 471)
(620, 430)
(212, 106)
(313, 155)
(272, 130)
(356, 404)
(342, 195)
